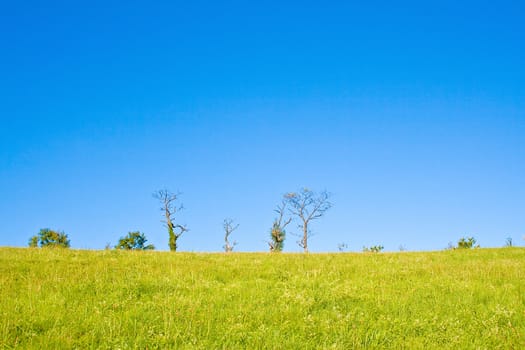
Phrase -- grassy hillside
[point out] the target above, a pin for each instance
(112, 299)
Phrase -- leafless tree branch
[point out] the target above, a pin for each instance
(229, 227)
(168, 200)
(307, 206)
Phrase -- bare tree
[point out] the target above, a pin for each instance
(342, 246)
(307, 206)
(229, 227)
(169, 208)
(277, 233)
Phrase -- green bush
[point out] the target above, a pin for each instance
(466, 243)
(134, 241)
(277, 235)
(373, 249)
(49, 238)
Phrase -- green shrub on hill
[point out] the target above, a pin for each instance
(467, 243)
(49, 238)
(134, 241)
(373, 249)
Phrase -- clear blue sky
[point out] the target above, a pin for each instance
(411, 113)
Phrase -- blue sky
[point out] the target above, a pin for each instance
(411, 114)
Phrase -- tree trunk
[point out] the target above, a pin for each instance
(305, 236)
(172, 237)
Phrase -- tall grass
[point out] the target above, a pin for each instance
(57, 298)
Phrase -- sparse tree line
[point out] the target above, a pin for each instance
(304, 206)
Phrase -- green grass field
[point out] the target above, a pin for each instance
(57, 298)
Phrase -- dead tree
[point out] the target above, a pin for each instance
(229, 227)
(277, 233)
(307, 206)
(169, 208)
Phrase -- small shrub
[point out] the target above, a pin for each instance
(49, 238)
(134, 241)
(277, 236)
(33, 242)
(278, 233)
(373, 249)
(466, 243)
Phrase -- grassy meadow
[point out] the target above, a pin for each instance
(60, 298)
